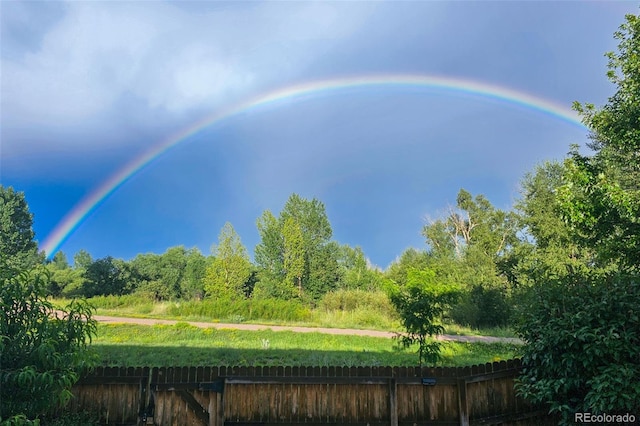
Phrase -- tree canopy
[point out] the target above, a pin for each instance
(17, 242)
(581, 321)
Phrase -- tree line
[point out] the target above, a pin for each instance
(295, 259)
(490, 256)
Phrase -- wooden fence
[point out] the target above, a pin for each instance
(225, 396)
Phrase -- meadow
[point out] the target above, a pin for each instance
(185, 345)
(349, 310)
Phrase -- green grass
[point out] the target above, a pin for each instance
(345, 309)
(459, 330)
(184, 345)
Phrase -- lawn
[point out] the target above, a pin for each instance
(185, 345)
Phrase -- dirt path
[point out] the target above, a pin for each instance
(256, 327)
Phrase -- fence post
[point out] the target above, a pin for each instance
(463, 409)
(220, 397)
(393, 401)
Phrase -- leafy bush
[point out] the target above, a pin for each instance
(123, 301)
(421, 303)
(249, 309)
(482, 307)
(42, 352)
(351, 300)
(583, 345)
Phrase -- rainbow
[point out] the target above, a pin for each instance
(82, 210)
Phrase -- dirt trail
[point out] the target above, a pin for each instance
(256, 327)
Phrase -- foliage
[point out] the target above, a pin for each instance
(84, 418)
(473, 247)
(482, 307)
(580, 318)
(295, 254)
(106, 276)
(82, 259)
(230, 268)
(601, 199)
(356, 272)
(178, 272)
(17, 243)
(192, 283)
(582, 337)
(409, 259)
(548, 250)
(350, 300)
(42, 351)
(64, 279)
(420, 304)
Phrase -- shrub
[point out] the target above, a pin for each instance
(482, 307)
(351, 300)
(583, 345)
(248, 309)
(421, 303)
(42, 352)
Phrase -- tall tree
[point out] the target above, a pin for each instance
(192, 285)
(321, 266)
(601, 199)
(547, 250)
(230, 268)
(472, 246)
(63, 280)
(301, 232)
(312, 218)
(356, 270)
(294, 254)
(582, 334)
(17, 242)
(105, 276)
(269, 252)
(82, 259)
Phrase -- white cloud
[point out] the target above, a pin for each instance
(168, 57)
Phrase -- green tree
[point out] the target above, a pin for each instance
(547, 251)
(601, 199)
(63, 279)
(43, 350)
(82, 259)
(356, 272)
(269, 252)
(231, 267)
(106, 276)
(17, 242)
(421, 303)
(192, 285)
(294, 255)
(60, 261)
(410, 259)
(160, 276)
(321, 271)
(473, 246)
(582, 329)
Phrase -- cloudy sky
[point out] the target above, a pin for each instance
(89, 88)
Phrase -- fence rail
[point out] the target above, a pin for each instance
(286, 396)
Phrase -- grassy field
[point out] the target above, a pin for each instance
(186, 345)
(368, 312)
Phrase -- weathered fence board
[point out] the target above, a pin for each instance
(225, 396)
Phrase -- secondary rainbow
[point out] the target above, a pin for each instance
(92, 201)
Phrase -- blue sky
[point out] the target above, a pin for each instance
(89, 86)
